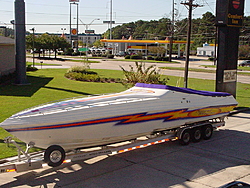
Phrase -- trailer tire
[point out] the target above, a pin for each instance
(196, 134)
(207, 132)
(54, 155)
(185, 137)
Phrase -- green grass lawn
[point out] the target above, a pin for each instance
(209, 70)
(50, 85)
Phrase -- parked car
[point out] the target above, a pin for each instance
(236, 184)
(245, 63)
(121, 54)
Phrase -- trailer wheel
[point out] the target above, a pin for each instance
(207, 132)
(196, 134)
(54, 155)
(185, 137)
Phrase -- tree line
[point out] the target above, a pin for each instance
(203, 30)
(47, 43)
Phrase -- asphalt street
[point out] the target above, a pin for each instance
(207, 164)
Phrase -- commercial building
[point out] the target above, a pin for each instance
(7, 55)
(117, 45)
(207, 50)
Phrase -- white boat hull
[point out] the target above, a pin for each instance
(101, 120)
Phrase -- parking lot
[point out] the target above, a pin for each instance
(211, 163)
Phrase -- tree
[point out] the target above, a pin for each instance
(203, 30)
(98, 43)
(159, 50)
(244, 52)
(46, 42)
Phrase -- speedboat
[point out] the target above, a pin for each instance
(101, 120)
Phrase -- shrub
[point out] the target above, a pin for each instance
(82, 73)
(82, 77)
(75, 53)
(110, 56)
(150, 58)
(141, 74)
(127, 57)
(135, 57)
(69, 51)
(30, 68)
(81, 69)
(211, 58)
(158, 58)
(165, 58)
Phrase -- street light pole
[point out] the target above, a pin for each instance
(87, 27)
(33, 46)
(73, 2)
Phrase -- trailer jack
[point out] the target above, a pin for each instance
(20, 151)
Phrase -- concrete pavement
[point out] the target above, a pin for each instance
(207, 164)
(195, 62)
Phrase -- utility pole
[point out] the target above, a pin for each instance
(171, 34)
(111, 12)
(189, 5)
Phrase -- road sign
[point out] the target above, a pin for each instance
(83, 49)
(108, 22)
(89, 31)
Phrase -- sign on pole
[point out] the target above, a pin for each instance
(89, 31)
(108, 22)
(230, 13)
(74, 31)
(229, 19)
(83, 49)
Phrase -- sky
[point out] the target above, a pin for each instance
(53, 16)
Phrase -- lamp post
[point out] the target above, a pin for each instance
(33, 45)
(87, 27)
(63, 29)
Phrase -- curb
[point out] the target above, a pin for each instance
(239, 111)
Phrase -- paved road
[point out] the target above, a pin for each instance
(115, 65)
(207, 164)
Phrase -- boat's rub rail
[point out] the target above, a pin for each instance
(85, 106)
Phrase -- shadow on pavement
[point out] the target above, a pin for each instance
(162, 165)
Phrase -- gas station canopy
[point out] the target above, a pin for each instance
(143, 41)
